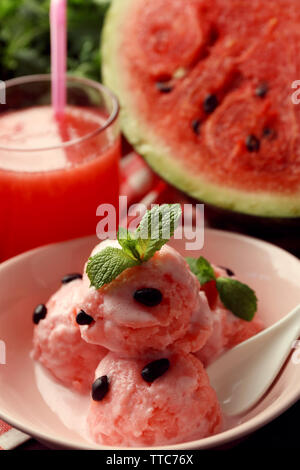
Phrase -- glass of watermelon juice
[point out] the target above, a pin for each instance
(55, 173)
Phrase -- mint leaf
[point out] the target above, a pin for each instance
(156, 228)
(202, 269)
(237, 297)
(192, 262)
(105, 266)
(128, 242)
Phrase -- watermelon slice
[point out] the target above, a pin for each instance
(205, 90)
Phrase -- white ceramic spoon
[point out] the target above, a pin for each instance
(242, 375)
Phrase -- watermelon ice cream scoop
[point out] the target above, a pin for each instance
(57, 343)
(151, 307)
(178, 406)
(228, 331)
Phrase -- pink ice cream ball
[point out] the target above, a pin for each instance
(177, 407)
(57, 343)
(228, 330)
(182, 321)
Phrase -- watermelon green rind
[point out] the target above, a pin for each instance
(157, 153)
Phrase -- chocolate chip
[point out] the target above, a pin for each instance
(39, 313)
(148, 296)
(210, 103)
(83, 318)
(100, 388)
(196, 123)
(71, 277)
(164, 87)
(155, 369)
(228, 271)
(252, 143)
(262, 90)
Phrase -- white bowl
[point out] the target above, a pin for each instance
(29, 279)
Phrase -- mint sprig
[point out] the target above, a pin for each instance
(202, 269)
(155, 229)
(237, 297)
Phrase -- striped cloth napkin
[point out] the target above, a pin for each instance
(140, 184)
(10, 437)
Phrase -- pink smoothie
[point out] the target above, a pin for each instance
(51, 195)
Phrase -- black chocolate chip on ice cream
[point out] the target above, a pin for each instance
(100, 388)
(155, 369)
(83, 318)
(148, 296)
(39, 313)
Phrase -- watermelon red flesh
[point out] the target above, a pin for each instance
(224, 48)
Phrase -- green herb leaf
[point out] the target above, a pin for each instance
(128, 243)
(156, 228)
(192, 262)
(25, 36)
(202, 269)
(237, 297)
(106, 265)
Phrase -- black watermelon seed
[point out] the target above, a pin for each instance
(252, 143)
(164, 87)
(262, 90)
(210, 104)
(148, 296)
(269, 133)
(83, 318)
(155, 369)
(213, 36)
(196, 123)
(39, 313)
(228, 271)
(100, 388)
(71, 277)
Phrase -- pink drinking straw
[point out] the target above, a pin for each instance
(58, 27)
